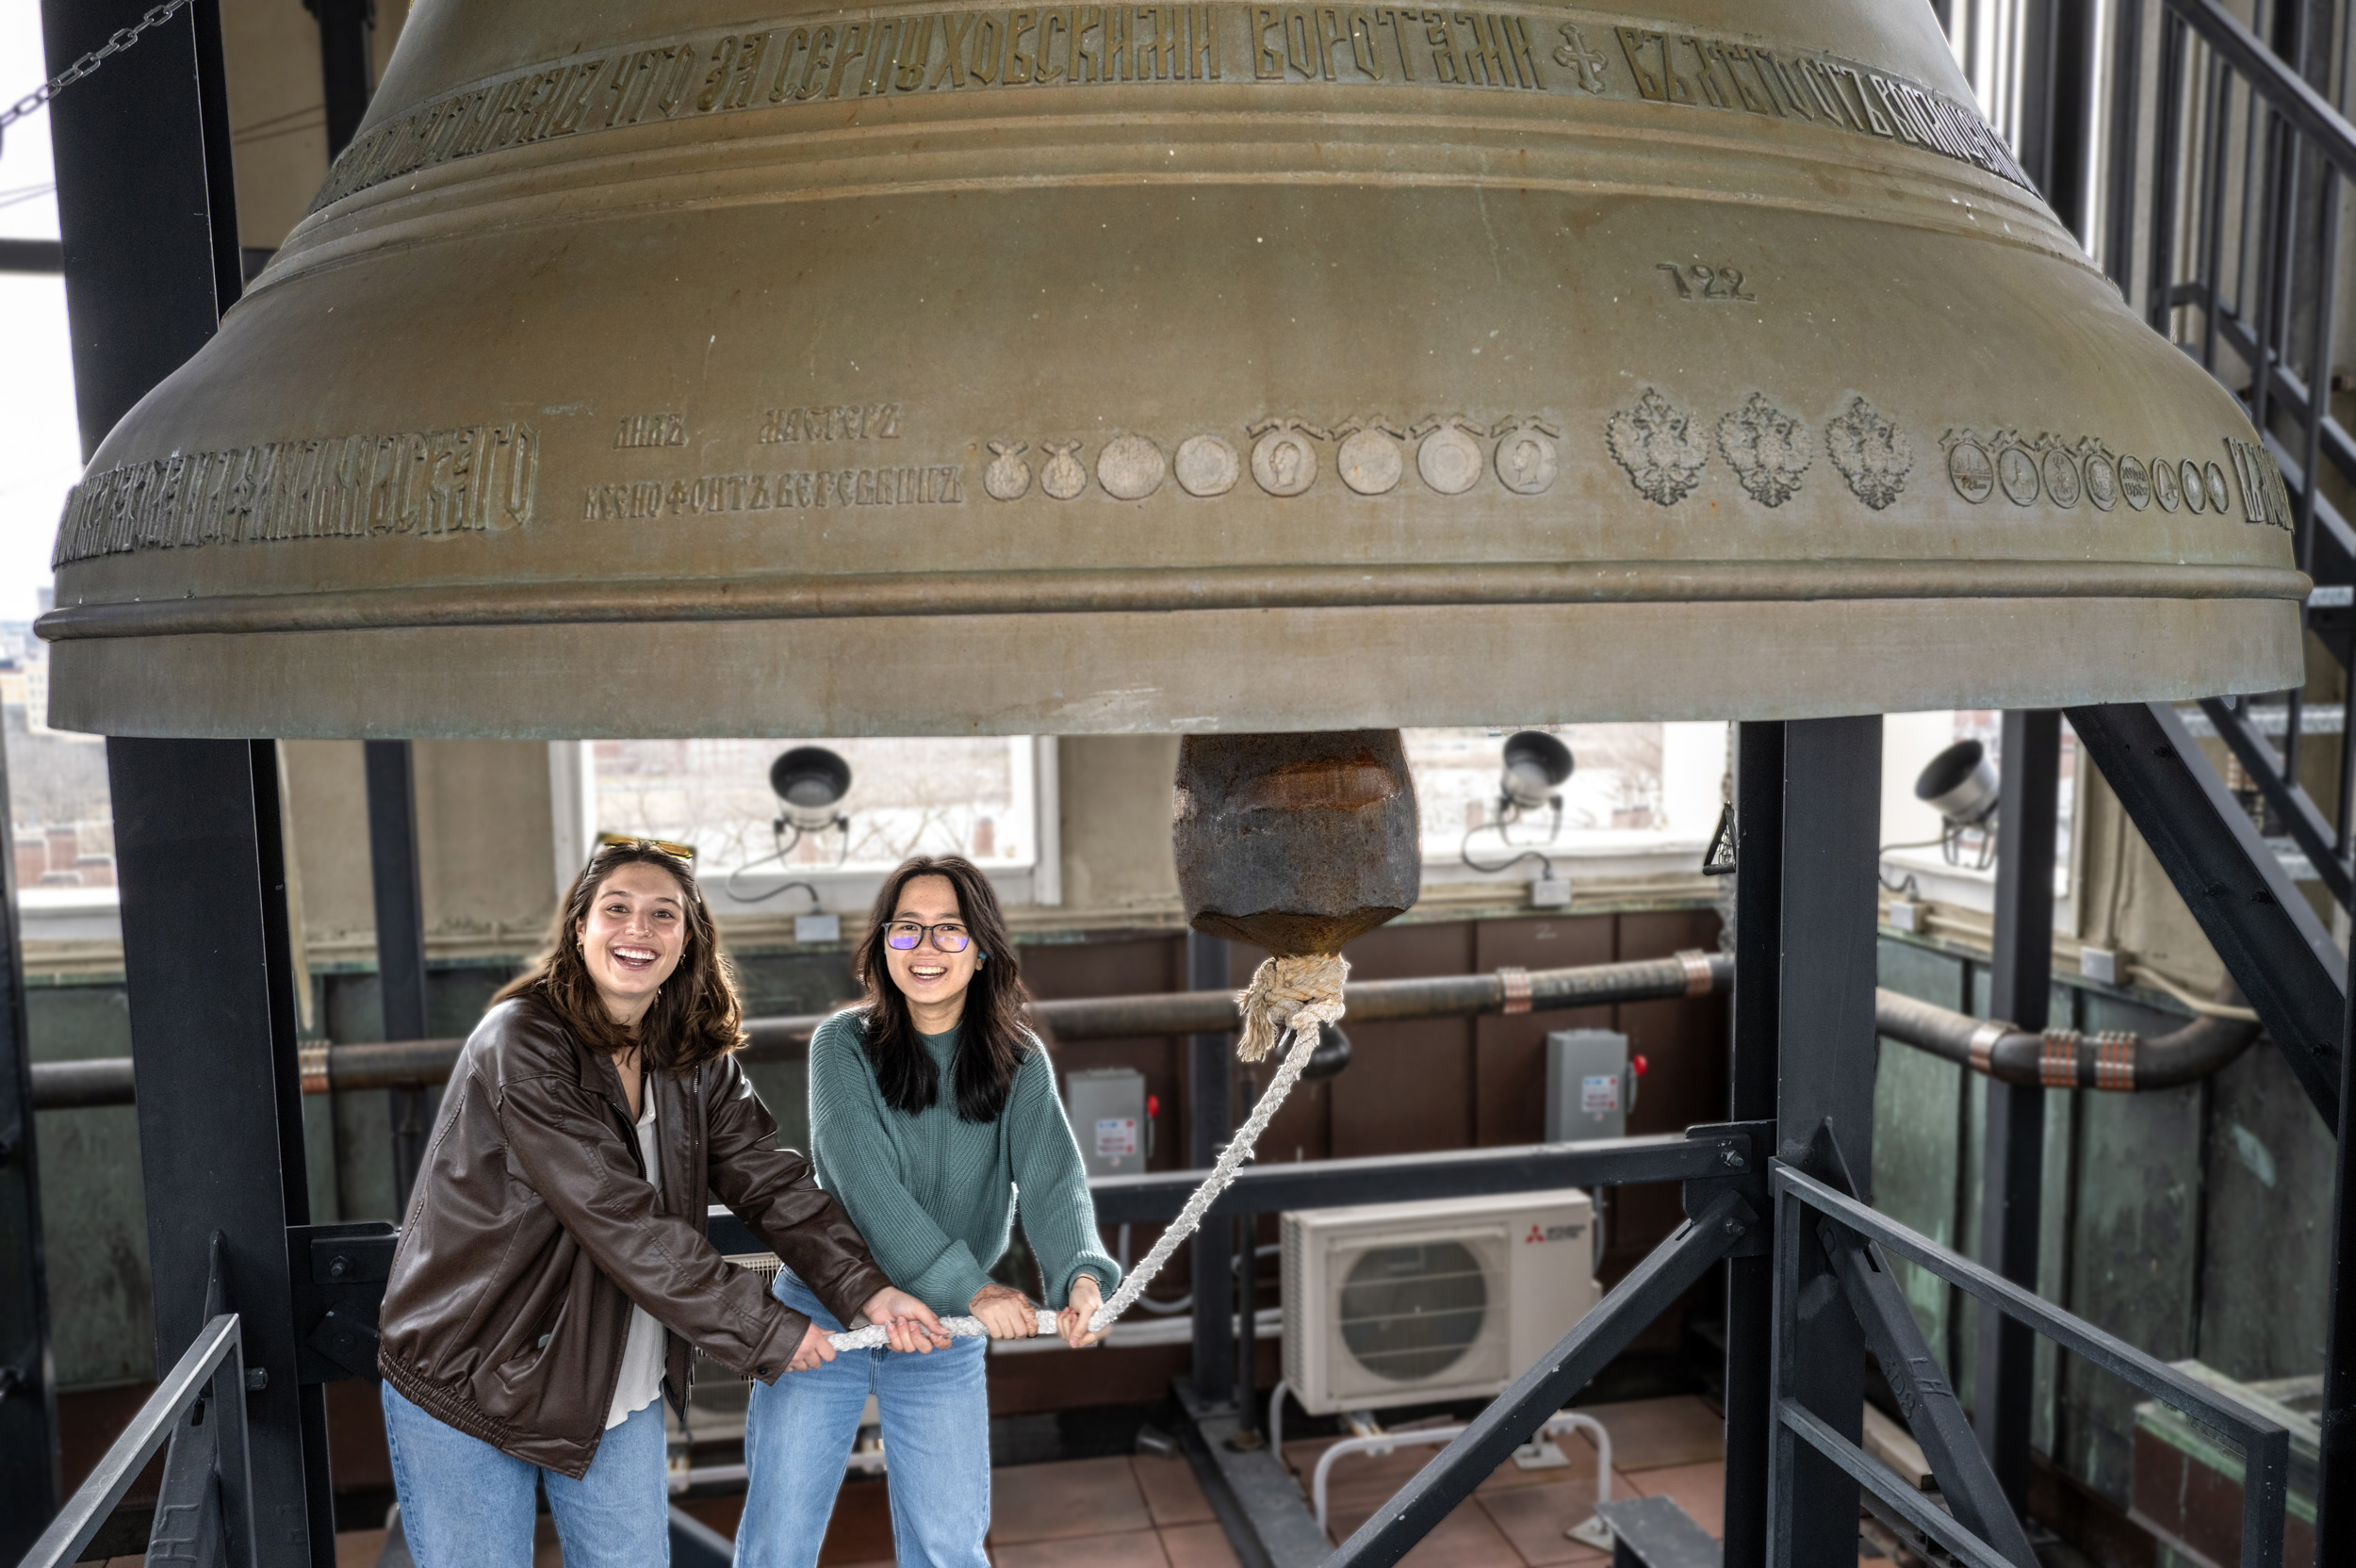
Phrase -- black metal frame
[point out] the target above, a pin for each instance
(400, 899)
(2236, 724)
(205, 1512)
(1721, 1166)
(1668, 1272)
(1802, 1203)
(1395, 1178)
(1751, 1076)
(2272, 944)
(1827, 1053)
(2057, 106)
(1211, 1254)
(2013, 1147)
(1966, 1474)
(213, 1037)
(2335, 1468)
(347, 66)
(2226, 96)
(2287, 98)
(28, 1381)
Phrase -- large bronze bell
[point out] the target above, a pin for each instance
(693, 369)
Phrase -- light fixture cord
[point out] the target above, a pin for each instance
(1296, 996)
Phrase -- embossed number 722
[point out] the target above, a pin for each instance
(1706, 283)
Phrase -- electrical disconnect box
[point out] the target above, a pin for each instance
(1590, 1089)
(1108, 1109)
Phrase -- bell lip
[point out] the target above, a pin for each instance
(1225, 670)
(928, 594)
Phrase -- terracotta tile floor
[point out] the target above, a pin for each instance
(1149, 1512)
(1118, 1513)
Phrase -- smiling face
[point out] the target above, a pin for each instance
(633, 936)
(933, 980)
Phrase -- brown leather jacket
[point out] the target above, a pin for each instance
(533, 1228)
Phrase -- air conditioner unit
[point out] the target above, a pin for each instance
(1446, 1299)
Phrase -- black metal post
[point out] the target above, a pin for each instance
(2072, 107)
(400, 939)
(147, 214)
(1246, 1229)
(1207, 1127)
(2057, 104)
(1825, 1067)
(28, 1383)
(2118, 223)
(2336, 1477)
(1925, 1398)
(346, 64)
(211, 983)
(1750, 1280)
(2012, 1180)
(146, 206)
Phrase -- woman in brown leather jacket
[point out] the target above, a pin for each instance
(553, 1272)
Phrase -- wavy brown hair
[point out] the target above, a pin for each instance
(992, 1039)
(696, 1016)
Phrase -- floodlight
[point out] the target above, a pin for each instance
(809, 781)
(1537, 765)
(1960, 784)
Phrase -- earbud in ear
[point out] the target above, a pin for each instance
(980, 957)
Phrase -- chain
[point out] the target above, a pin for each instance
(124, 38)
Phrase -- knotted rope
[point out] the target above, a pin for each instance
(1296, 995)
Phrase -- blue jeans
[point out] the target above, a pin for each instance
(936, 1432)
(466, 1505)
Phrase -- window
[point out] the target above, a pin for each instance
(61, 822)
(1918, 857)
(1644, 796)
(977, 797)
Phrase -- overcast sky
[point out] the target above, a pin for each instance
(40, 448)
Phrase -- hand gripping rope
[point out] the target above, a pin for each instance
(1294, 996)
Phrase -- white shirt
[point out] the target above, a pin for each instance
(640, 1382)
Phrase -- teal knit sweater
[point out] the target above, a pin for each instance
(934, 1193)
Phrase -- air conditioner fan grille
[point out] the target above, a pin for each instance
(1408, 1313)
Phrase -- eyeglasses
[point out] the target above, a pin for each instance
(902, 935)
(663, 846)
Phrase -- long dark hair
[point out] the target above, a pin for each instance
(696, 1017)
(992, 1039)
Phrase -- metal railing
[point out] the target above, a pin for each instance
(205, 1513)
(2265, 1444)
(2222, 218)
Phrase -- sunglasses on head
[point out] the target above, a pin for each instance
(663, 846)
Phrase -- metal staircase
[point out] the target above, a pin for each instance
(2226, 154)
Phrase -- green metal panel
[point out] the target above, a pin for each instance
(359, 1122)
(777, 984)
(1916, 1135)
(2133, 1249)
(89, 1198)
(2268, 1240)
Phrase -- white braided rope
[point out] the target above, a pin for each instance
(1300, 994)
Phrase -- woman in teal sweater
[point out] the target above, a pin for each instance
(930, 1106)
